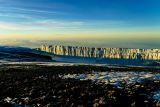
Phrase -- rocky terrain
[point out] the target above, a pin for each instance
(124, 53)
(38, 85)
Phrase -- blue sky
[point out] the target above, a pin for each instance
(79, 19)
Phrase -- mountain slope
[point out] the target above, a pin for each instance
(22, 54)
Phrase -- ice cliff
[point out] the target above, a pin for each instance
(143, 54)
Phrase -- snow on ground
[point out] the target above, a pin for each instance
(156, 95)
(113, 77)
(41, 63)
(116, 78)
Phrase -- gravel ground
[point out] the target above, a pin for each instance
(32, 85)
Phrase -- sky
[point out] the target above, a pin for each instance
(125, 23)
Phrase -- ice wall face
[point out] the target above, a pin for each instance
(146, 54)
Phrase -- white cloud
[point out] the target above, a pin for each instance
(58, 23)
(36, 11)
(40, 25)
(15, 15)
(28, 10)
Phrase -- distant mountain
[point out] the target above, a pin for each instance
(10, 53)
(122, 56)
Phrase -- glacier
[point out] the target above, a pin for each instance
(93, 52)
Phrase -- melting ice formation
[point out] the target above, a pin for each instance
(92, 52)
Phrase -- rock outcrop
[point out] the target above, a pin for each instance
(143, 54)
